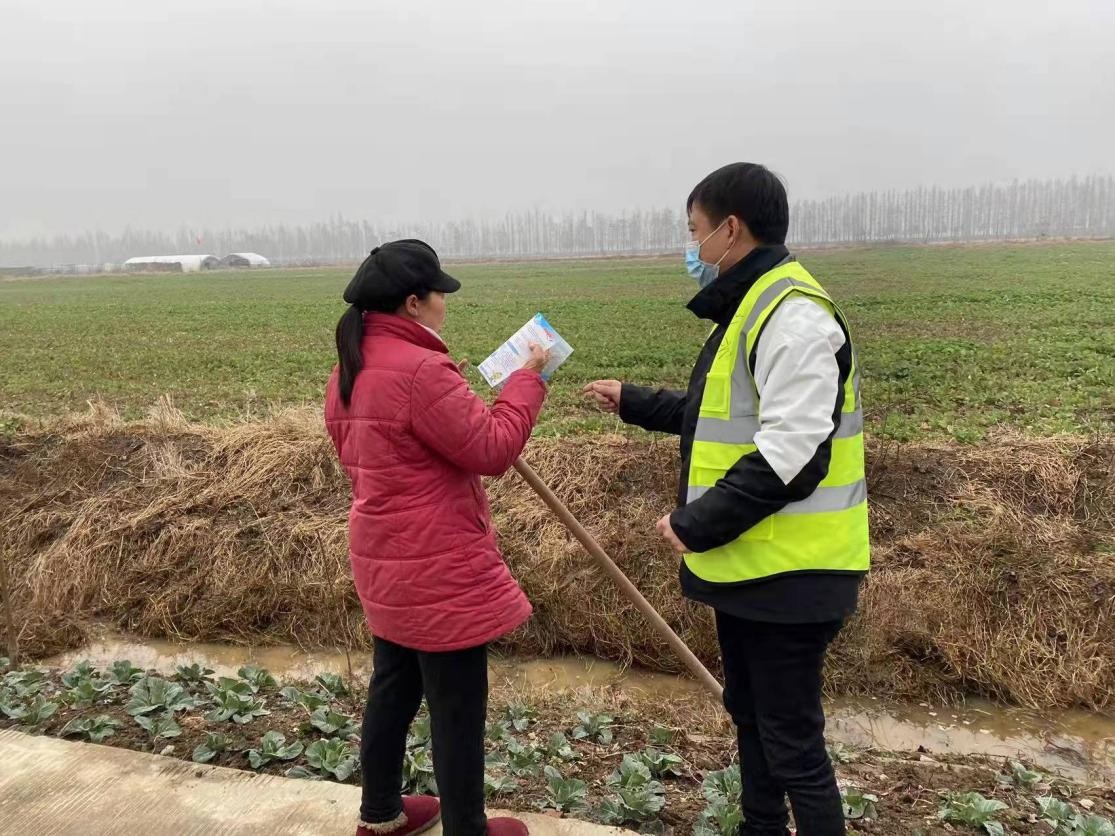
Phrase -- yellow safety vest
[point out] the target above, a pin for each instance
(827, 531)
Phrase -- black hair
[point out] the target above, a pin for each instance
(751, 192)
(350, 334)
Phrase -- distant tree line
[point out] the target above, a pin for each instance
(1033, 209)
(1075, 208)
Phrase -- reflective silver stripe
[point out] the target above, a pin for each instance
(851, 425)
(769, 295)
(695, 492)
(742, 430)
(745, 400)
(838, 498)
(733, 431)
(762, 303)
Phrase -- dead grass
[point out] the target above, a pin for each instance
(994, 565)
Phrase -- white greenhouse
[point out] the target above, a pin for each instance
(245, 260)
(182, 263)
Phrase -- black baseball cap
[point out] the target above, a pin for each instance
(394, 271)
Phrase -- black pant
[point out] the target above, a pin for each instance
(456, 689)
(773, 692)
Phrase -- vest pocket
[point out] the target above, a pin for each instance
(717, 395)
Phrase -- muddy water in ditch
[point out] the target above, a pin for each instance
(1076, 744)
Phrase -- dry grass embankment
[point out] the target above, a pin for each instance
(994, 564)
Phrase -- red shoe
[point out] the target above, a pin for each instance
(506, 827)
(420, 813)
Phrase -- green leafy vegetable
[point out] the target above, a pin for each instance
(1092, 826)
(332, 723)
(159, 726)
(523, 759)
(1023, 778)
(859, 805)
(567, 795)
(213, 745)
(333, 759)
(193, 674)
(661, 764)
(418, 772)
(87, 692)
(333, 684)
(309, 700)
(594, 727)
(82, 671)
(724, 815)
(420, 732)
(233, 704)
(974, 810)
(273, 747)
(558, 748)
(34, 714)
(151, 694)
(257, 678)
(496, 785)
(123, 672)
(27, 683)
(95, 729)
(520, 715)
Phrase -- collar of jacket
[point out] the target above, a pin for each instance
(390, 325)
(718, 302)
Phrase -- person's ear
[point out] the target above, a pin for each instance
(412, 305)
(740, 232)
(735, 230)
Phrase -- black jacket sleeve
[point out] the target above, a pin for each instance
(657, 410)
(749, 493)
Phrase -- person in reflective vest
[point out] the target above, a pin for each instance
(772, 518)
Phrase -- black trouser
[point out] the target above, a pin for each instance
(772, 690)
(456, 689)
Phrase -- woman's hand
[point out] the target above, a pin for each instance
(607, 394)
(539, 358)
(666, 531)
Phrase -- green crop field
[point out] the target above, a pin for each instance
(954, 342)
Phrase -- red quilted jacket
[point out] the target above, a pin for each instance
(415, 441)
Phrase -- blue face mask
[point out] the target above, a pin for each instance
(703, 272)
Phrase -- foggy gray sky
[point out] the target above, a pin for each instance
(211, 112)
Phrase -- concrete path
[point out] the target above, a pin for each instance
(51, 787)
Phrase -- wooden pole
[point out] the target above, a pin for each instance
(9, 610)
(621, 580)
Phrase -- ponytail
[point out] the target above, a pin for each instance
(350, 333)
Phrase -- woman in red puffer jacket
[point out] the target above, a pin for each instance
(415, 440)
